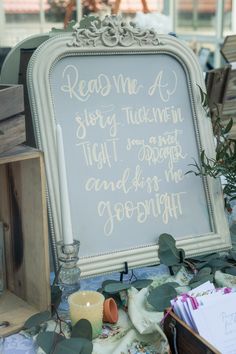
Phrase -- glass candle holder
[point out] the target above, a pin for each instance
(69, 273)
(87, 305)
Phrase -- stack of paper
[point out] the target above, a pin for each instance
(211, 313)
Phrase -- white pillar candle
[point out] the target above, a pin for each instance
(88, 305)
(66, 226)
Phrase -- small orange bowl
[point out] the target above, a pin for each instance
(110, 311)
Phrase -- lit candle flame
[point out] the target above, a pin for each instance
(88, 304)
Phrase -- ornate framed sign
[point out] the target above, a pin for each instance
(129, 105)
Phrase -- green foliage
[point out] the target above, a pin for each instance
(230, 270)
(202, 267)
(113, 288)
(161, 296)
(169, 254)
(224, 161)
(37, 319)
(232, 255)
(82, 329)
(56, 343)
(204, 275)
(204, 98)
(116, 287)
(141, 283)
(74, 346)
(48, 341)
(214, 261)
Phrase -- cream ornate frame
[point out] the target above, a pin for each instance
(112, 35)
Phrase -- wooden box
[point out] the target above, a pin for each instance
(23, 211)
(12, 119)
(228, 51)
(183, 340)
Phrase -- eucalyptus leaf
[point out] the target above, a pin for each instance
(218, 264)
(175, 269)
(109, 281)
(230, 270)
(205, 257)
(82, 329)
(204, 100)
(200, 265)
(174, 284)
(141, 283)
(204, 260)
(167, 239)
(228, 126)
(232, 255)
(161, 296)
(203, 273)
(48, 341)
(116, 287)
(202, 281)
(74, 346)
(168, 253)
(37, 319)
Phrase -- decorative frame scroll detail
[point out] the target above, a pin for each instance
(111, 32)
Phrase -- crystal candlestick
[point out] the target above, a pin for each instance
(69, 273)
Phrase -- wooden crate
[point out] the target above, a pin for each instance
(228, 51)
(23, 211)
(12, 119)
(183, 340)
(11, 100)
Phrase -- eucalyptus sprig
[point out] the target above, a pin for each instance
(223, 164)
(55, 341)
(201, 269)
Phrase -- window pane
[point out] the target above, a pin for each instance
(228, 17)
(22, 18)
(195, 15)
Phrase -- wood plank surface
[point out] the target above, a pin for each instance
(5, 218)
(217, 85)
(11, 100)
(35, 230)
(23, 210)
(15, 311)
(231, 88)
(2, 259)
(12, 132)
(19, 153)
(228, 49)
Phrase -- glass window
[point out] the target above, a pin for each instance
(227, 18)
(21, 19)
(196, 21)
(196, 15)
